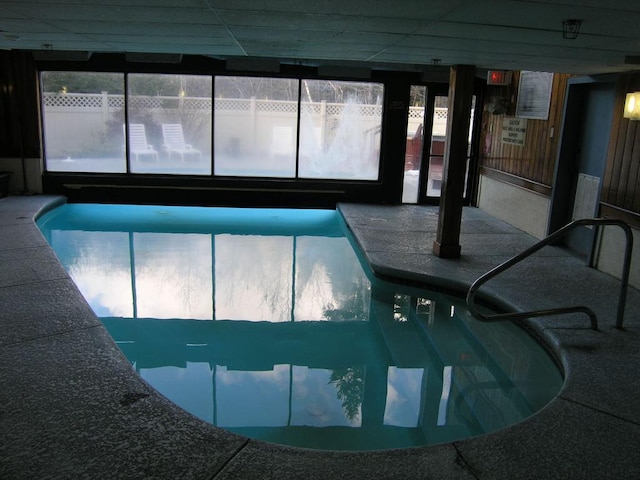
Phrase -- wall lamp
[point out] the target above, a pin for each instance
(632, 106)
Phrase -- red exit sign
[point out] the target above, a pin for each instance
(498, 77)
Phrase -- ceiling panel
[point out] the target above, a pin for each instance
(268, 34)
(305, 21)
(142, 29)
(421, 10)
(624, 5)
(516, 34)
(117, 13)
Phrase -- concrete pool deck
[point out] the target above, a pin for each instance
(72, 407)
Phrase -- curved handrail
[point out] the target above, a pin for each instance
(557, 311)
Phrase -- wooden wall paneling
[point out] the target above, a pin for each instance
(621, 187)
(555, 121)
(615, 137)
(625, 163)
(532, 152)
(537, 156)
(535, 160)
(631, 191)
(617, 163)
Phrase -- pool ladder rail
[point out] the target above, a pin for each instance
(598, 222)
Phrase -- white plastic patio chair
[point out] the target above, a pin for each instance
(138, 145)
(174, 142)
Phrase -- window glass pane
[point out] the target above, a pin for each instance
(173, 276)
(256, 126)
(436, 152)
(83, 114)
(330, 282)
(237, 390)
(404, 397)
(413, 149)
(253, 277)
(187, 384)
(340, 126)
(327, 398)
(170, 124)
(100, 265)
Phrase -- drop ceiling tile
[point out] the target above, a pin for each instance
(370, 38)
(481, 46)
(623, 5)
(533, 15)
(6, 14)
(170, 47)
(308, 52)
(424, 10)
(279, 34)
(115, 13)
(337, 23)
(498, 33)
(142, 28)
(36, 4)
(25, 26)
(162, 39)
(530, 15)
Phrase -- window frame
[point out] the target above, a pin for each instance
(241, 191)
(127, 95)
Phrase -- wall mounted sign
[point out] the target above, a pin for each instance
(534, 95)
(514, 131)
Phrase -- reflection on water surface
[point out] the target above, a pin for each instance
(263, 322)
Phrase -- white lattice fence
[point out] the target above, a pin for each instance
(89, 100)
(416, 118)
(78, 116)
(73, 100)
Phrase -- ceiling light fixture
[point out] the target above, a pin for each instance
(571, 28)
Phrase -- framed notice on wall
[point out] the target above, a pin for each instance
(534, 95)
(514, 131)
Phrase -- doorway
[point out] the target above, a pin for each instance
(582, 159)
(425, 147)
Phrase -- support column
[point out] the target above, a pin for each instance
(461, 80)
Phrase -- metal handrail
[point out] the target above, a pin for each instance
(557, 311)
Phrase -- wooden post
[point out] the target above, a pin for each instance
(461, 80)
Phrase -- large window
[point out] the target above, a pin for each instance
(83, 118)
(262, 127)
(340, 124)
(256, 126)
(169, 123)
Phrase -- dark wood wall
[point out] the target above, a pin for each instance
(532, 165)
(621, 187)
(19, 122)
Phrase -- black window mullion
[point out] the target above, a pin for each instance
(126, 124)
(298, 126)
(213, 125)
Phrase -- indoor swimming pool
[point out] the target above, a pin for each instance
(267, 323)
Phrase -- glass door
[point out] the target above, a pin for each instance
(436, 146)
(414, 146)
(426, 137)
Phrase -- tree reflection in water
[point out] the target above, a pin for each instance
(349, 383)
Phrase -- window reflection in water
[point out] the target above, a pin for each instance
(282, 336)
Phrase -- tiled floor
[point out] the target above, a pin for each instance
(71, 407)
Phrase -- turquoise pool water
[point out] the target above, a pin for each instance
(264, 322)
